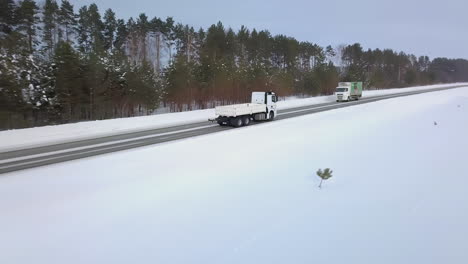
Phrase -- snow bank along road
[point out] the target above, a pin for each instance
(39, 156)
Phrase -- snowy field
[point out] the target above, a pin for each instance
(249, 195)
(40, 136)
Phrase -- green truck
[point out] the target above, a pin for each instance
(347, 91)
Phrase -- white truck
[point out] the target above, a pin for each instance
(347, 91)
(262, 107)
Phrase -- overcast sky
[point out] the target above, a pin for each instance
(433, 28)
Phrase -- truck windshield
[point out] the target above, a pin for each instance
(341, 89)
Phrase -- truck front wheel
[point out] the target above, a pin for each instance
(271, 116)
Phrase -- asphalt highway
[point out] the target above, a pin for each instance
(41, 156)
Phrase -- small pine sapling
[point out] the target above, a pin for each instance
(324, 175)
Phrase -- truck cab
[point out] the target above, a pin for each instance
(267, 98)
(342, 94)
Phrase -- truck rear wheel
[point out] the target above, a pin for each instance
(246, 120)
(236, 122)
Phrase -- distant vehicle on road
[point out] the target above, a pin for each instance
(347, 91)
(262, 107)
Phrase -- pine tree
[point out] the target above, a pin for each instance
(324, 175)
(7, 8)
(243, 37)
(144, 88)
(83, 30)
(330, 53)
(11, 99)
(110, 27)
(168, 31)
(11, 40)
(27, 20)
(90, 30)
(185, 42)
(142, 26)
(199, 42)
(121, 35)
(67, 20)
(69, 94)
(50, 30)
(96, 28)
(12, 43)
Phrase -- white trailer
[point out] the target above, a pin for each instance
(262, 107)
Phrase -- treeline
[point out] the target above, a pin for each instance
(58, 65)
(387, 68)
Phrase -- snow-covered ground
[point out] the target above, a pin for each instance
(40, 136)
(249, 195)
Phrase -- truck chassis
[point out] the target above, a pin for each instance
(243, 120)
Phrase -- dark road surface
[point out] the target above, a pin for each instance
(41, 156)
